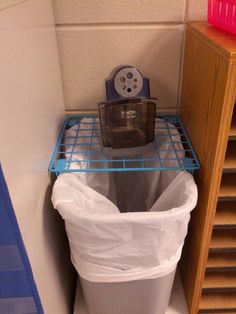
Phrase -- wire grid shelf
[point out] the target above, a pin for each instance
(78, 148)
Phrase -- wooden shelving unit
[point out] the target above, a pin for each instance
(219, 284)
(232, 132)
(230, 158)
(223, 240)
(221, 261)
(208, 110)
(219, 280)
(214, 302)
(225, 214)
(228, 186)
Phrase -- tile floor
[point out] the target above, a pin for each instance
(177, 302)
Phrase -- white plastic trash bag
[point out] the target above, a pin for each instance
(110, 246)
(79, 148)
(125, 226)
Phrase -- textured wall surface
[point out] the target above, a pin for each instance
(197, 10)
(31, 112)
(9, 3)
(118, 11)
(95, 36)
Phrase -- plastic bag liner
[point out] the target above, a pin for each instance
(125, 226)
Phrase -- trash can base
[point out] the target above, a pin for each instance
(149, 296)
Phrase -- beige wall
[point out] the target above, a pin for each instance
(94, 36)
(31, 106)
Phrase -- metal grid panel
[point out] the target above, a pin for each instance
(78, 148)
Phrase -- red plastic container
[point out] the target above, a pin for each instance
(222, 14)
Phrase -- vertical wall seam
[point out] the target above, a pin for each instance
(181, 64)
(186, 13)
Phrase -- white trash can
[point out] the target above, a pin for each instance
(126, 261)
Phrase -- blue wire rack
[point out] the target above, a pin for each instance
(78, 148)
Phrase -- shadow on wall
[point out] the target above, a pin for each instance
(54, 231)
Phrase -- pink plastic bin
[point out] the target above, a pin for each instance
(222, 14)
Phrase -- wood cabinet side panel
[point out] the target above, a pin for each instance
(206, 107)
